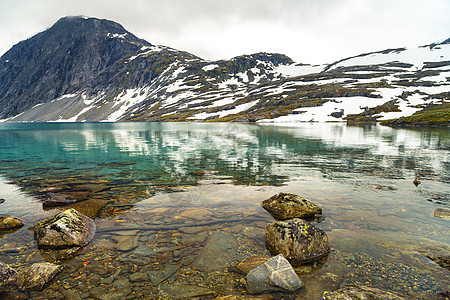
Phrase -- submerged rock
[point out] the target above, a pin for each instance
(158, 276)
(8, 222)
(284, 206)
(362, 292)
(443, 213)
(37, 276)
(276, 274)
(64, 230)
(184, 291)
(8, 276)
(218, 253)
(58, 200)
(299, 241)
(441, 260)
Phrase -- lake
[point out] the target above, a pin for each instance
(178, 204)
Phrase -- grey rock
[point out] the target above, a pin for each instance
(362, 293)
(126, 243)
(193, 238)
(158, 276)
(8, 276)
(66, 229)
(299, 241)
(276, 274)
(122, 283)
(284, 206)
(37, 276)
(58, 200)
(219, 252)
(139, 276)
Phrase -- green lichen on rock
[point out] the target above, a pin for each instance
(37, 276)
(64, 230)
(299, 241)
(9, 223)
(284, 206)
(8, 276)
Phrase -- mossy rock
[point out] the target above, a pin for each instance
(64, 230)
(299, 241)
(284, 206)
(8, 276)
(37, 276)
(9, 223)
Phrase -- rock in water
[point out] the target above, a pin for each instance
(276, 274)
(362, 292)
(248, 264)
(64, 230)
(299, 241)
(8, 276)
(284, 206)
(36, 276)
(8, 223)
(443, 213)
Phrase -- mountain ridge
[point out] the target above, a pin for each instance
(88, 69)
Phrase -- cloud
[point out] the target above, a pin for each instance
(306, 30)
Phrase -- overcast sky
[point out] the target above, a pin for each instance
(308, 31)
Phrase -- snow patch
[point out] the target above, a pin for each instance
(293, 70)
(210, 67)
(127, 99)
(116, 35)
(237, 109)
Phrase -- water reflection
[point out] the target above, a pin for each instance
(257, 153)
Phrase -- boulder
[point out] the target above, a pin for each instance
(37, 276)
(8, 276)
(299, 241)
(362, 292)
(276, 274)
(284, 206)
(9, 223)
(64, 230)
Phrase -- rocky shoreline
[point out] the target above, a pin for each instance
(192, 250)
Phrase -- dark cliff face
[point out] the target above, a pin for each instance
(99, 59)
(61, 60)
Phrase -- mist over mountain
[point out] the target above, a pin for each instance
(87, 69)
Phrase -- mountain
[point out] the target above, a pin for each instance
(87, 69)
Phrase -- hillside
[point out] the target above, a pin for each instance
(87, 69)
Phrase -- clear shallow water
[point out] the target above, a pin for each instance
(159, 212)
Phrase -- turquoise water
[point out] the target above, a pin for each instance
(145, 175)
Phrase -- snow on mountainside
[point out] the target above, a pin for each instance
(98, 71)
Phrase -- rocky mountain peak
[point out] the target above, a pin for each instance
(61, 59)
